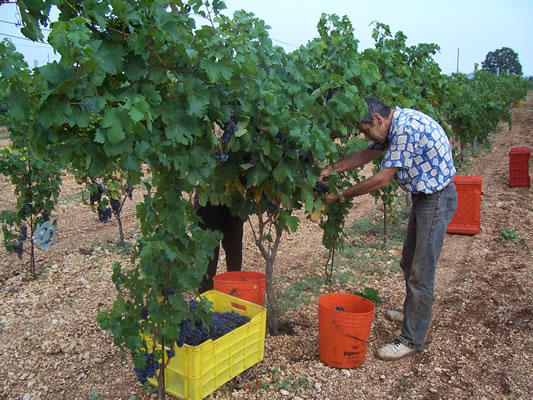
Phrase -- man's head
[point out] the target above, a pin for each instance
(376, 124)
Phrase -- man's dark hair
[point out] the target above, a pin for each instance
(375, 107)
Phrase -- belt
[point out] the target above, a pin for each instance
(428, 195)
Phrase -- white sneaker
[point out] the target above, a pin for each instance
(395, 316)
(394, 351)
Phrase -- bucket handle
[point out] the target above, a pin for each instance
(347, 334)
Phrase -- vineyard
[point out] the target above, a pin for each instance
(103, 151)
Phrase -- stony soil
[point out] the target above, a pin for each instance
(479, 345)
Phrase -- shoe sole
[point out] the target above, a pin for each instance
(385, 358)
(394, 320)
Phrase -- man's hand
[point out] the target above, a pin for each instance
(331, 198)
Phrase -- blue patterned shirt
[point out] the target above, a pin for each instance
(419, 147)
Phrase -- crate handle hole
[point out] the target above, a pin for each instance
(239, 306)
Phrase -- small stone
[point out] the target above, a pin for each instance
(284, 392)
(432, 390)
(318, 386)
(382, 377)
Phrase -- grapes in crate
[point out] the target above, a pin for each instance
(194, 333)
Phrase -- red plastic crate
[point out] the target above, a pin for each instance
(518, 167)
(467, 218)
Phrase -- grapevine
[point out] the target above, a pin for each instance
(140, 88)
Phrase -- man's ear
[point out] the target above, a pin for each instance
(379, 118)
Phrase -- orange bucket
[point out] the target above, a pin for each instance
(343, 335)
(246, 285)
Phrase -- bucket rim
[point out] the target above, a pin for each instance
(233, 276)
(339, 296)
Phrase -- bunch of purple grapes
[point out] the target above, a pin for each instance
(271, 208)
(192, 333)
(96, 197)
(18, 247)
(104, 215)
(144, 313)
(168, 291)
(225, 322)
(150, 367)
(115, 205)
(229, 129)
(321, 187)
(23, 212)
(197, 332)
(331, 93)
(222, 157)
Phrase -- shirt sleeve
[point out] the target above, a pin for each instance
(378, 146)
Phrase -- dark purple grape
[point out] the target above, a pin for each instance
(19, 248)
(23, 232)
(144, 313)
(303, 155)
(169, 291)
(196, 333)
(115, 206)
(222, 157)
(96, 196)
(271, 208)
(321, 187)
(193, 304)
(25, 210)
(331, 93)
(104, 215)
(46, 216)
(229, 129)
(150, 367)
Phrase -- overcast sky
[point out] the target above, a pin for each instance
(474, 27)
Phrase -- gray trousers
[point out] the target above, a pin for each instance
(428, 221)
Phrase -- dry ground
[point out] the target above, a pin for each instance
(479, 346)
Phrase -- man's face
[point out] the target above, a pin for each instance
(377, 133)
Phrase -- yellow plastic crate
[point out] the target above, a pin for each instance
(196, 371)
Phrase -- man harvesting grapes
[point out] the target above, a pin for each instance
(418, 156)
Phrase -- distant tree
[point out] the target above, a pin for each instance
(502, 60)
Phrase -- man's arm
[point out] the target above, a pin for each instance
(350, 162)
(375, 182)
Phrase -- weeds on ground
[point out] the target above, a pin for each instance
(76, 198)
(362, 259)
(471, 157)
(510, 235)
(111, 245)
